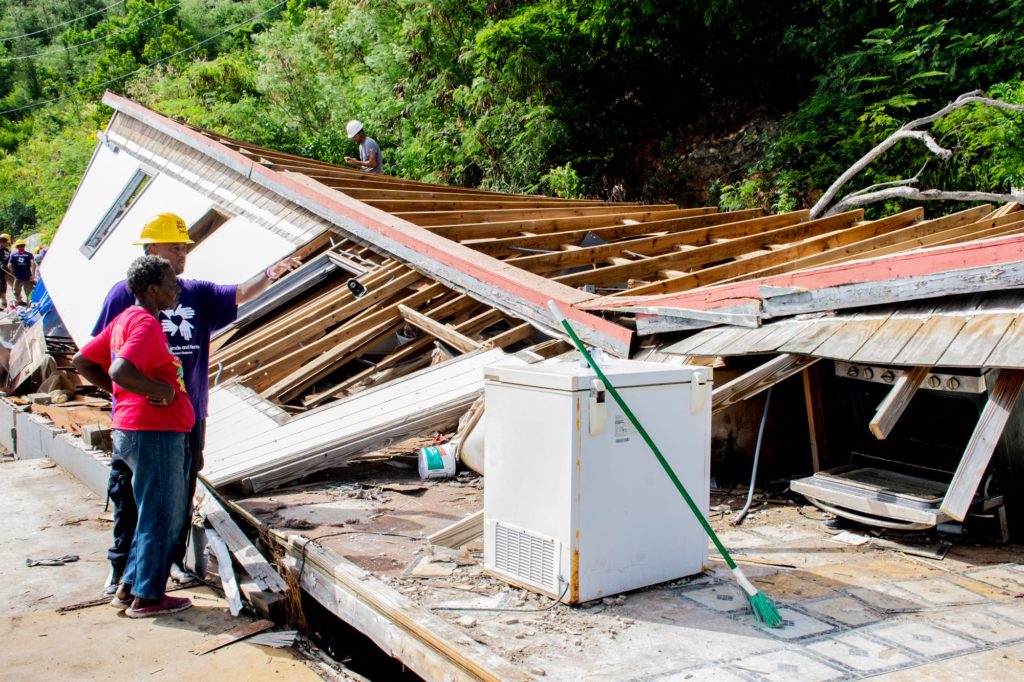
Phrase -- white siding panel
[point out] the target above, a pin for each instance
(78, 284)
(236, 251)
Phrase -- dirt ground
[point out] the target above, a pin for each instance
(47, 514)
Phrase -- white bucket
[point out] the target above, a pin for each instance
(437, 461)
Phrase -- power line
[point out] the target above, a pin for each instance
(90, 42)
(105, 83)
(65, 23)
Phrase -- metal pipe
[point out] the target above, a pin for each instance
(757, 455)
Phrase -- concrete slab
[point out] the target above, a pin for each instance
(98, 643)
(47, 513)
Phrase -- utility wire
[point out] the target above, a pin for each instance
(105, 83)
(65, 23)
(91, 42)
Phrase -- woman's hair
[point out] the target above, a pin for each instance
(146, 271)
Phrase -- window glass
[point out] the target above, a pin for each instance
(132, 191)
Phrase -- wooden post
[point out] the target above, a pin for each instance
(815, 416)
(983, 442)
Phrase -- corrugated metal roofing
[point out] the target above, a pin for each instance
(979, 330)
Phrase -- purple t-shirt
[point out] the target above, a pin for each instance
(203, 308)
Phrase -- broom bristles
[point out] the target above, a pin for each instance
(765, 610)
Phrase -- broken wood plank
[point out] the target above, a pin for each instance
(931, 285)
(439, 331)
(231, 636)
(459, 533)
(1002, 397)
(890, 409)
(245, 552)
(758, 379)
(226, 571)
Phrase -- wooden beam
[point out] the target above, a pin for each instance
(758, 379)
(427, 218)
(815, 415)
(248, 556)
(948, 283)
(575, 227)
(1003, 252)
(444, 333)
(890, 409)
(705, 255)
(655, 245)
(621, 227)
(459, 533)
(507, 338)
(754, 262)
(231, 636)
(1001, 399)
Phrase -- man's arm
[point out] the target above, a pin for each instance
(252, 288)
(369, 163)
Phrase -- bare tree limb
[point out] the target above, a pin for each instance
(915, 194)
(904, 132)
(872, 188)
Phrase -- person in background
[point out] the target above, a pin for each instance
(369, 159)
(203, 308)
(5, 256)
(40, 252)
(131, 359)
(22, 265)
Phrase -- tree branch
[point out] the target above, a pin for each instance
(906, 131)
(915, 194)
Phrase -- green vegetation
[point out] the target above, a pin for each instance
(715, 101)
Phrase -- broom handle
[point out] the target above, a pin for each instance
(643, 433)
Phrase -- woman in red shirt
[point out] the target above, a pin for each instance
(151, 421)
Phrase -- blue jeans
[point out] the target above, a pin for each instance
(119, 491)
(159, 461)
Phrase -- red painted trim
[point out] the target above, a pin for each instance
(994, 251)
(518, 283)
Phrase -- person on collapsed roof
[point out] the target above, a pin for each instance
(369, 159)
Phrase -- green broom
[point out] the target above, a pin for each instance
(764, 609)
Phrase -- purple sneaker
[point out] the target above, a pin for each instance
(169, 604)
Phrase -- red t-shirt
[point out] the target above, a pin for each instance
(137, 337)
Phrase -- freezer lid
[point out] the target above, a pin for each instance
(569, 376)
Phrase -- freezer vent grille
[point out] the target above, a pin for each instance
(527, 557)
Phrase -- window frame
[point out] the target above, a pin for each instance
(136, 186)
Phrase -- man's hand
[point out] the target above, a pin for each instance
(278, 270)
(253, 287)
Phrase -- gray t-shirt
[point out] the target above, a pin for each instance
(367, 149)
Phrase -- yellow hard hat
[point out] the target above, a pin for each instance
(165, 228)
(5, 236)
(20, 242)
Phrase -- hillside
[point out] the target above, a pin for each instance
(717, 102)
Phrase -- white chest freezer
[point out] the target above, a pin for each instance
(576, 506)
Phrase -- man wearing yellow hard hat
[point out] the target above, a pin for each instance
(5, 255)
(22, 265)
(203, 307)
